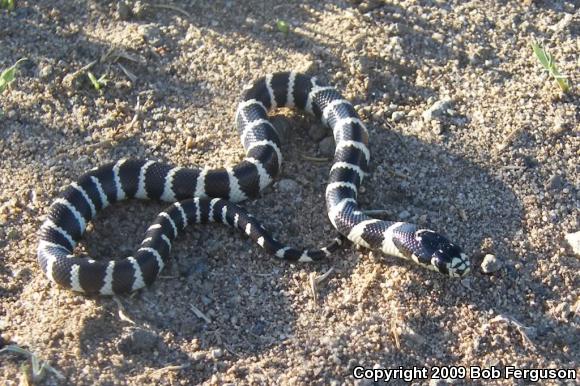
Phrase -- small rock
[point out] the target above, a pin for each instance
(259, 328)
(12, 234)
(282, 125)
(530, 162)
(404, 214)
(397, 116)
(200, 266)
(123, 11)
(491, 264)
(137, 341)
(71, 82)
(563, 23)
(574, 240)
(437, 109)
(560, 125)
(563, 310)
(139, 9)
(326, 147)
(317, 132)
(44, 71)
(287, 185)
(437, 127)
(189, 143)
(555, 182)
(150, 33)
(364, 382)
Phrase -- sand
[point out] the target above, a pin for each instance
(469, 136)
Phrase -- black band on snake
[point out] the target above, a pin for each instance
(203, 195)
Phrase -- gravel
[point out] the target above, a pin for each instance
(481, 169)
(287, 185)
(326, 147)
(317, 132)
(137, 341)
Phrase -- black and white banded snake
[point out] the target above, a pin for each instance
(204, 195)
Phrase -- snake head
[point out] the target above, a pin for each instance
(439, 254)
(430, 250)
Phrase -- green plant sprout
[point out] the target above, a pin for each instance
(38, 366)
(98, 84)
(547, 62)
(7, 76)
(7, 4)
(283, 27)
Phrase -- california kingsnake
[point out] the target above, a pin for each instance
(203, 195)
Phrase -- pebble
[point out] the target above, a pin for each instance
(259, 328)
(561, 125)
(573, 240)
(326, 147)
(563, 310)
(491, 264)
(200, 267)
(437, 127)
(555, 182)
(282, 125)
(123, 11)
(404, 214)
(137, 341)
(206, 300)
(189, 143)
(139, 9)
(287, 185)
(44, 70)
(437, 109)
(317, 132)
(397, 116)
(150, 33)
(71, 82)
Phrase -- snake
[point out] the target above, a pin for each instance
(203, 195)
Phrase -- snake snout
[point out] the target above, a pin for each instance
(444, 256)
(450, 260)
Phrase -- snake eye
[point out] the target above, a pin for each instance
(440, 261)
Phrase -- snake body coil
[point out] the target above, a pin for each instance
(203, 195)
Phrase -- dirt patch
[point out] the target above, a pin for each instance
(468, 136)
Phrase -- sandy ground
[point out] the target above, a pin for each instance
(496, 168)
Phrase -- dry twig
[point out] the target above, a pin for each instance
(122, 312)
(200, 314)
(173, 8)
(523, 330)
(315, 281)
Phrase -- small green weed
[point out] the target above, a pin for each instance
(549, 65)
(98, 84)
(37, 367)
(283, 27)
(7, 76)
(7, 4)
